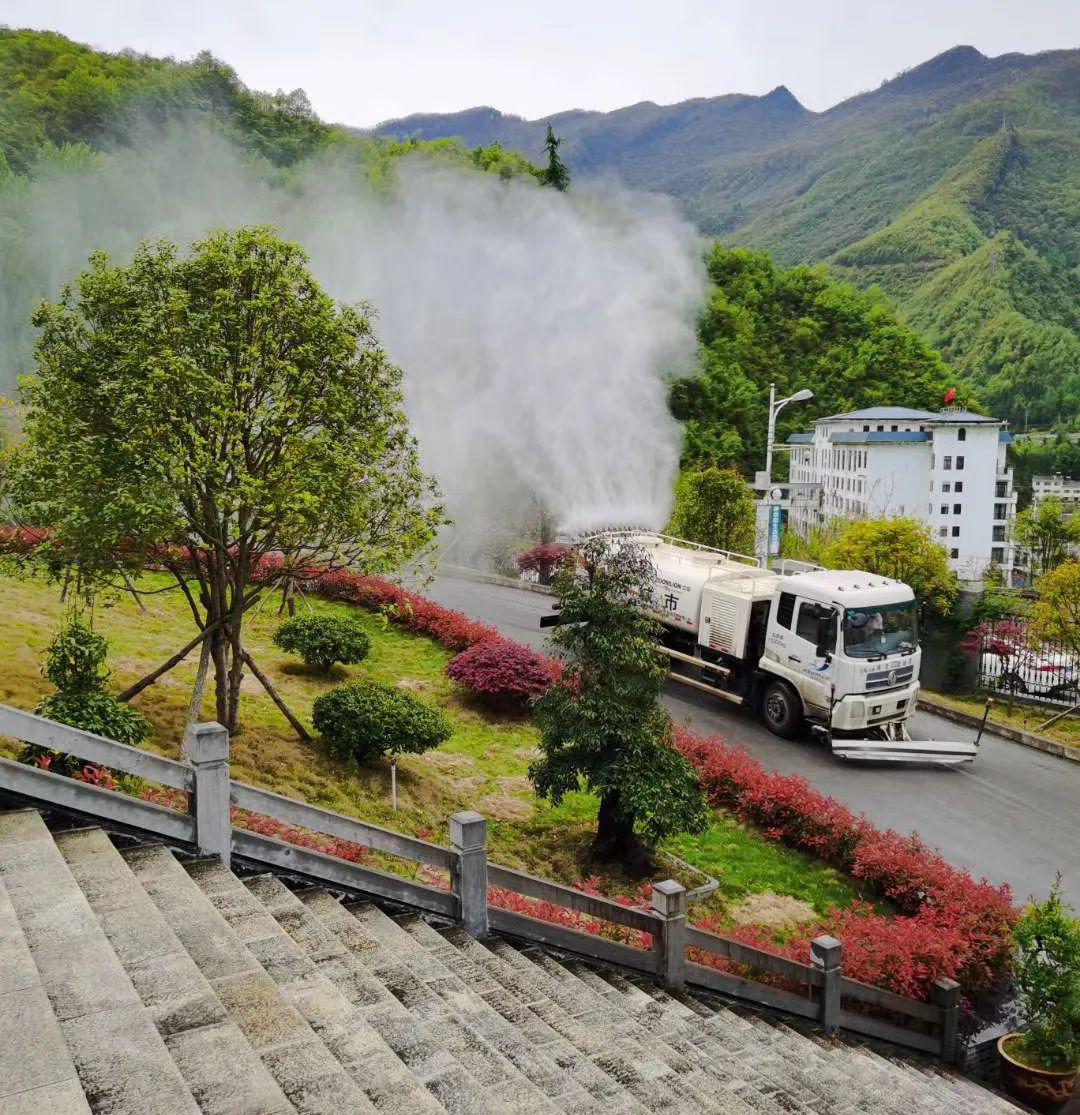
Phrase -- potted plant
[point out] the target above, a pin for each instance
(1039, 1064)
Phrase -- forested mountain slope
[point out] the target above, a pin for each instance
(56, 94)
(955, 186)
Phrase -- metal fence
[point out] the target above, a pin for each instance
(1010, 660)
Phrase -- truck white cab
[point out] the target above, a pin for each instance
(836, 650)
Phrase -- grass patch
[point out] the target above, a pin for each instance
(1027, 718)
(483, 766)
(746, 864)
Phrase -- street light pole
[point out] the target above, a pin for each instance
(775, 407)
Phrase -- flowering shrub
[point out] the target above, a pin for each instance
(542, 560)
(948, 925)
(502, 673)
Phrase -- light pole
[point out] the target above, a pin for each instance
(775, 406)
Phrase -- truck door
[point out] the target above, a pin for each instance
(810, 652)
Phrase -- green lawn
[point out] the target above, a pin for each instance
(483, 766)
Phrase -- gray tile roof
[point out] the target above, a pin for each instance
(136, 983)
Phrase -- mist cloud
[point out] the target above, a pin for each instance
(535, 330)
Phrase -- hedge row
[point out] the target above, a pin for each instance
(947, 924)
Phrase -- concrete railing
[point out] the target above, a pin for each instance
(816, 990)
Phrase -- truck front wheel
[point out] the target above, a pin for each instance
(781, 709)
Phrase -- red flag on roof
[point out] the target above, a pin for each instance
(950, 395)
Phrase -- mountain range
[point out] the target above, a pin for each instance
(955, 187)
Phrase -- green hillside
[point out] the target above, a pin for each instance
(796, 327)
(56, 94)
(955, 187)
(985, 266)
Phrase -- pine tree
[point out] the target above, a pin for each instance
(555, 173)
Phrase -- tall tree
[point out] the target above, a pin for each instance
(714, 506)
(1055, 618)
(555, 173)
(602, 725)
(214, 411)
(1047, 535)
(900, 548)
(796, 327)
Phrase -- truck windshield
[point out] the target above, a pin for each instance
(882, 629)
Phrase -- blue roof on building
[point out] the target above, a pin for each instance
(878, 437)
(883, 414)
(907, 414)
(800, 439)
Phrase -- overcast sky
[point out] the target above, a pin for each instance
(363, 61)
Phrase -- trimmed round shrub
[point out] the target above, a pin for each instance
(502, 674)
(323, 640)
(364, 720)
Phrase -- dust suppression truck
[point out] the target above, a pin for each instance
(832, 651)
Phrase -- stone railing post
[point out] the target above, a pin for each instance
(669, 944)
(207, 748)
(468, 841)
(947, 997)
(825, 954)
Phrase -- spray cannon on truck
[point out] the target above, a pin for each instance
(832, 651)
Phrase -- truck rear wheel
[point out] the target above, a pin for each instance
(781, 709)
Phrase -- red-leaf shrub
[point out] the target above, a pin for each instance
(542, 559)
(948, 925)
(502, 673)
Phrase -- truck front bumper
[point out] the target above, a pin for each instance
(858, 711)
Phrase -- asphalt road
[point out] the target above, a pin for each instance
(1013, 815)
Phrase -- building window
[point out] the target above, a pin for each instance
(961, 434)
(947, 463)
(956, 509)
(946, 487)
(954, 553)
(997, 555)
(944, 509)
(1002, 489)
(999, 534)
(894, 428)
(959, 462)
(1001, 510)
(956, 532)
(944, 532)
(958, 487)
(880, 428)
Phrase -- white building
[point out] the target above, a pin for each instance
(947, 469)
(1064, 488)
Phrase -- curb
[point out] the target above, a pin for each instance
(1017, 735)
(467, 574)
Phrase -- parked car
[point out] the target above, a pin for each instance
(1023, 669)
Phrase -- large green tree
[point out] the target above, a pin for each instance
(796, 328)
(902, 549)
(714, 506)
(214, 411)
(1055, 618)
(1047, 534)
(602, 726)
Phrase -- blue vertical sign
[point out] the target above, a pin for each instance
(774, 530)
